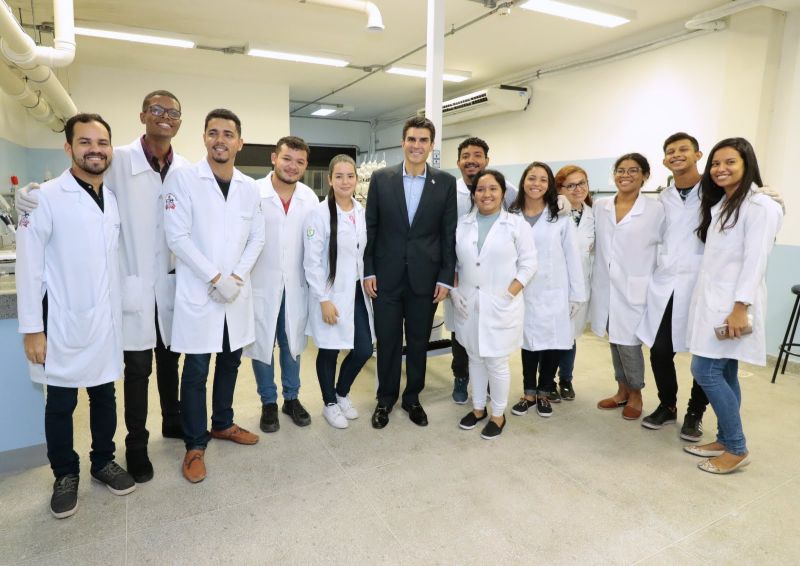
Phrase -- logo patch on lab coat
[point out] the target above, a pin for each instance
(170, 202)
(25, 221)
(310, 232)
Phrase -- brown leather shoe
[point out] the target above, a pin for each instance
(194, 468)
(611, 403)
(236, 434)
(631, 414)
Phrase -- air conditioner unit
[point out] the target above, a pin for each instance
(486, 102)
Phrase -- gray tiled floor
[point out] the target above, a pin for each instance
(583, 487)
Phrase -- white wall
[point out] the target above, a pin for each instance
(319, 131)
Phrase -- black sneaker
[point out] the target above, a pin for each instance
(460, 395)
(117, 480)
(269, 418)
(660, 417)
(64, 502)
(522, 407)
(692, 429)
(543, 407)
(553, 395)
(567, 392)
(470, 421)
(295, 409)
(139, 465)
(492, 430)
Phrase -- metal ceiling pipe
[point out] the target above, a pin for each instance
(19, 48)
(374, 18)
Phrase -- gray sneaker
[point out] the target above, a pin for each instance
(116, 479)
(64, 502)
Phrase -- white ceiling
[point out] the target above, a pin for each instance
(491, 49)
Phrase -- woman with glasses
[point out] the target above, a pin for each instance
(729, 303)
(573, 183)
(555, 293)
(628, 229)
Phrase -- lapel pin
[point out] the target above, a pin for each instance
(433, 181)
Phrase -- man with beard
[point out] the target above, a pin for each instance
(212, 219)
(279, 283)
(70, 311)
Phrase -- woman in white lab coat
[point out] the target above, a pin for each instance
(555, 292)
(339, 313)
(738, 227)
(573, 182)
(628, 228)
(496, 257)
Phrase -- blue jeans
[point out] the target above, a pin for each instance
(290, 367)
(720, 381)
(566, 363)
(355, 360)
(194, 414)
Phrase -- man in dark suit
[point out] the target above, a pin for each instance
(409, 264)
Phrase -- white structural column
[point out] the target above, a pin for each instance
(434, 91)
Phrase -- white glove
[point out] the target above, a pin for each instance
(459, 302)
(564, 207)
(574, 308)
(26, 199)
(216, 296)
(774, 195)
(229, 287)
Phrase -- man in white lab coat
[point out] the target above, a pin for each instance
(279, 283)
(212, 219)
(147, 271)
(69, 305)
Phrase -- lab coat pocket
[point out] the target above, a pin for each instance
(168, 302)
(637, 290)
(132, 294)
(77, 328)
(719, 297)
(507, 313)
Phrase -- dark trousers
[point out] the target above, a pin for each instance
(546, 361)
(566, 363)
(460, 363)
(60, 404)
(138, 367)
(194, 414)
(394, 310)
(355, 360)
(662, 362)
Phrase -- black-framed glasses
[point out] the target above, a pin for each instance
(575, 186)
(159, 111)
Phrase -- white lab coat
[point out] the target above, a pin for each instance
(676, 271)
(349, 272)
(463, 204)
(557, 283)
(584, 235)
(280, 268)
(145, 259)
(625, 257)
(734, 269)
(493, 327)
(208, 235)
(69, 249)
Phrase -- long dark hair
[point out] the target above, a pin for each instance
(498, 176)
(333, 242)
(711, 193)
(550, 195)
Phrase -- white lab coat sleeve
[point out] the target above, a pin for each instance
(33, 234)
(760, 229)
(178, 228)
(572, 255)
(255, 243)
(527, 259)
(314, 251)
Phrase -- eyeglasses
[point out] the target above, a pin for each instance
(159, 111)
(630, 171)
(575, 186)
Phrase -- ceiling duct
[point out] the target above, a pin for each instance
(486, 102)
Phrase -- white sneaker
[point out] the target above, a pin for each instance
(333, 414)
(347, 407)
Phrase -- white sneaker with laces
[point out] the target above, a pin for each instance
(333, 414)
(347, 408)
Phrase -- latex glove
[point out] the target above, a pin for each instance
(564, 207)
(574, 308)
(774, 195)
(216, 296)
(459, 302)
(26, 199)
(229, 288)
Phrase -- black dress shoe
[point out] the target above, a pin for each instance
(416, 413)
(380, 418)
(139, 465)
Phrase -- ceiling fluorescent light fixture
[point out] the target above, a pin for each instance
(297, 58)
(324, 111)
(413, 71)
(587, 11)
(135, 37)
